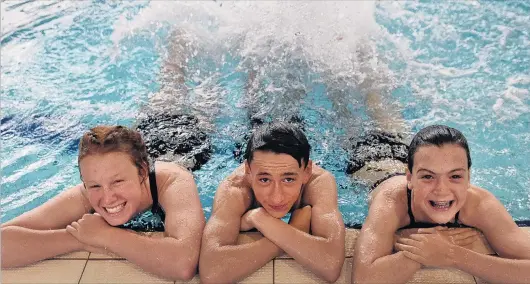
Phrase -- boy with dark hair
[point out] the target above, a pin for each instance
(276, 178)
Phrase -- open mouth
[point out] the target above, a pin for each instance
(441, 205)
(115, 209)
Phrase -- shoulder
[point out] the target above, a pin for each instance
(234, 189)
(479, 202)
(171, 175)
(390, 198)
(320, 175)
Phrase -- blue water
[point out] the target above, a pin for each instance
(463, 64)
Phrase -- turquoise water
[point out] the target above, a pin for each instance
(67, 66)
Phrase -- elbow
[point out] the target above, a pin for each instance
(331, 274)
(186, 272)
(359, 275)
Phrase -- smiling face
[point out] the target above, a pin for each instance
(439, 181)
(113, 185)
(276, 180)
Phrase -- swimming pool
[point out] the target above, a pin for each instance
(67, 66)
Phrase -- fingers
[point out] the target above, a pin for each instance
(75, 225)
(414, 257)
(408, 248)
(409, 242)
(71, 230)
(429, 230)
(464, 239)
(458, 231)
(418, 237)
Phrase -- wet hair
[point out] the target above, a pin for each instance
(109, 139)
(279, 138)
(437, 135)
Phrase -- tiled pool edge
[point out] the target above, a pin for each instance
(72, 268)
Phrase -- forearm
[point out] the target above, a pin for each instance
(166, 257)
(492, 269)
(394, 268)
(231, 263)
(325, 258)
(22, 246)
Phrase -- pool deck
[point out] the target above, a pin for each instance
(85, 267)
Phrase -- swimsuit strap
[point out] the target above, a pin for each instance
(456, 218)
(411, 216)
(154, 190)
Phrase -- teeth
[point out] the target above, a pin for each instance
(115, 209)
(441, 204)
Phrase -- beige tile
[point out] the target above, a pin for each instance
(109, 256)
(194, 280)
(74, 255)
(48, 271)
(263, 275)
(436, 275)
(289, 271)
(351, 238)
(117, 272)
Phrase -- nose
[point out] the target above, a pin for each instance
(108, 196)
(441, 186)
(276, 194)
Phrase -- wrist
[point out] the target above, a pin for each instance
(258, 218)
(456, 255)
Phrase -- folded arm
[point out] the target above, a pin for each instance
(175, 256)
(222, 259)
(511, 243)
(322, 252)
(373, 260)
(40, 233)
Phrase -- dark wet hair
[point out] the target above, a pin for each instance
(437, 135)
(279, 138)
(106, 139)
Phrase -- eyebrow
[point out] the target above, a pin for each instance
(453, 170)
(283, 174)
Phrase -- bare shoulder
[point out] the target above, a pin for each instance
(170, 173)
(233, 192)
(321, 177)
(479, 203)
(392, 190)
(389, 198)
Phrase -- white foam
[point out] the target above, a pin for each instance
(327, 31)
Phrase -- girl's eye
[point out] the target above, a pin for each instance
(264, 180)
(289, 180)
(456, 176)
(118, 181)
(96, 186)
(427, 177)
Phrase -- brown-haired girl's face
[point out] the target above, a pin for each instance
(439, 181)
(113, 185)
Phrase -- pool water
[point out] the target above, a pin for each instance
(67, 66)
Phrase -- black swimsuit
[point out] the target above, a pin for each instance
(151, 220)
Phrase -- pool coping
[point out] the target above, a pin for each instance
(85, 267)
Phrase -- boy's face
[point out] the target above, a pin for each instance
(276, 180)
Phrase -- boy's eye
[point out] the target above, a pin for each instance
(456, 176)
(427, 177)
(263, 180)
(289, 180)
(95, 186)
(118, 181)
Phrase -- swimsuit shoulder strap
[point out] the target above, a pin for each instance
(153, 187)
(409, 198)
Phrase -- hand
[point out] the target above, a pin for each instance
(90, 230)
(428, 247)
(248, 220)
(301, 218)
(459, 236)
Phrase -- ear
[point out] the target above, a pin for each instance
(409, 178)
(308, 171)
